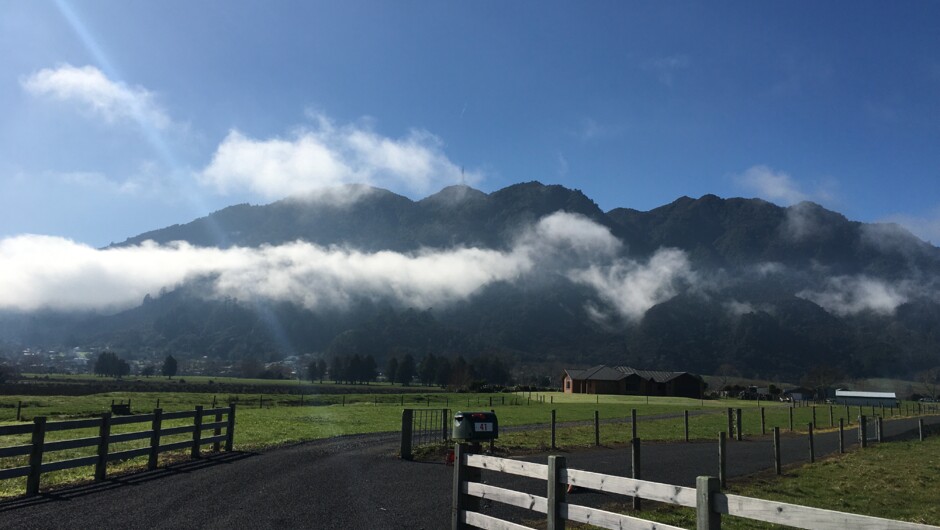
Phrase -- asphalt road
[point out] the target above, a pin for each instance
(357, 482)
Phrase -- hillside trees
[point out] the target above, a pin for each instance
(108, 363)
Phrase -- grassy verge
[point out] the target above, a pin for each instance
(892, 480)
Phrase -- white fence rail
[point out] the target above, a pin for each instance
(710, 504)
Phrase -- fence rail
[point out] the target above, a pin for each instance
(709, 503)
(38, 447)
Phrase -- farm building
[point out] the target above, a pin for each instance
(866, 399)
(623, 380)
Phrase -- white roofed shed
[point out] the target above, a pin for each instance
(866, 399)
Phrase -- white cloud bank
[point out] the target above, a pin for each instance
(88, 87)
(41, 272)
(327, 156)
(848, 295)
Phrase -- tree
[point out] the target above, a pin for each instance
(313, 371)
(930, 380)
(169, 367)
(391, 369)
(821, 378)
(369, 369)
(406, 370)
(108, 363)
(427, 369)
(321, 369)
(442, 378)
(149, 371)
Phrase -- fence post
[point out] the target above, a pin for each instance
(739, 430)
(597, 428)
(633, 426)
(104, 432)
(831, 422)
(706, 518)
(35, 455)
(812, 447)
(763, 423)
(841, 436)
(731, 422)
(687, 425)
(155, 439)
(847, 417)
(197, 432)
(920, 429)
(230, 429)
(879, 426)
(862, 432)
(637, 469)
(556, 492)
(791, 418)
(462, 474)
(553, 428)
(407, 417)
(722, 454)
(814, 416)
(445, 416)
(777, 467)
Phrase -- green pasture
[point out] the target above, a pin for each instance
(893, 480)
(266, 421)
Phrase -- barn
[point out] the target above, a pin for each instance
(623, 380)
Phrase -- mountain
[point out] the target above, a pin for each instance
(691, 285)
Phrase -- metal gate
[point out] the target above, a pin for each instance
(423, 427)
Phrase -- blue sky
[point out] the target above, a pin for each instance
(122, 117)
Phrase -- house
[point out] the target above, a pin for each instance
(866, 399)
(798, 394)
(624, 380)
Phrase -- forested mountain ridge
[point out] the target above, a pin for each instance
(690, 285)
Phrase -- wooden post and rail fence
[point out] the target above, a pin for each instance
(39, 448)
(706, 498)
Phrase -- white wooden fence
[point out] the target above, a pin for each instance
(709, 503)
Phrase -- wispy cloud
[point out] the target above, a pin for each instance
(667, 67)
(328, 155)
(774, 186)
(847, 295)
(926, 227)
(90, 89)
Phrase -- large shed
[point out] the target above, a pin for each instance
(866, 399)
(624, 380)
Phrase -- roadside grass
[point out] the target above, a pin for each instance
(892, 480)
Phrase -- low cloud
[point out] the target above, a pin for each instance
(42, 272)
(326, 156)
(631, 287)
(849, 295)
(90, 89)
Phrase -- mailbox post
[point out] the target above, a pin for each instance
(475, 427)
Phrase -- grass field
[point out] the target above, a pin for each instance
(893, 480)
(269, 421)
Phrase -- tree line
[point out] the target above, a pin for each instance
(430, 370)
